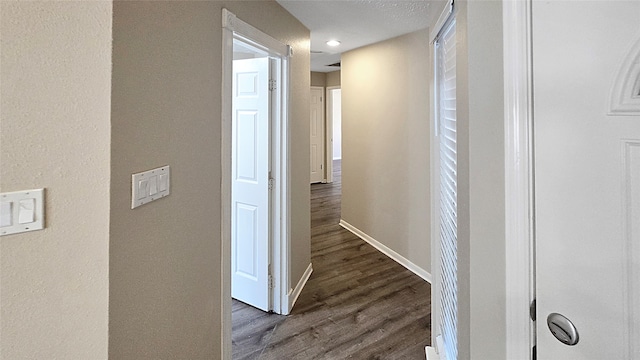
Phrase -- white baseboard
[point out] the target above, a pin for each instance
(431, 353)
(387, 251)
(293, 295)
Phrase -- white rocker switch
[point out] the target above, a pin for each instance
(26, 213)
(153, 185)
(162, 182)
(6, 213)
(143, 185)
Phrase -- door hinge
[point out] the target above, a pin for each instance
(532, 310)
(320, 166)
(532, 316)
(272, 85)
(270, 277)
(271, 182)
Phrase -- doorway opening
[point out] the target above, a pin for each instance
(318, 134)
(251, 169)
(254, 193)
(334, 129)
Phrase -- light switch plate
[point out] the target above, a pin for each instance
(31, 213)
(150, 185)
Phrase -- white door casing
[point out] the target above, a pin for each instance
(587, 179)
(317, 134)
(235, 29)
(250, 185)
(519, 277)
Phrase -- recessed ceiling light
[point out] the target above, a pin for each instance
(333, 42)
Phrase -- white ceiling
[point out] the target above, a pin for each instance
(354, 23)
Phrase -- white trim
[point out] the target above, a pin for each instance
(431, 353)
(329, 137)
(442, 19)
(225, 196)
(293, 295)
(232, 27)
(261, 40)
(283, 247)
(281, 198)
(519, 180)
(387, 251)
(434, 154)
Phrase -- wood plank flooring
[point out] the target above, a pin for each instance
(358, 303)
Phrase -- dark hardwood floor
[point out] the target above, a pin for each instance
(358, 303)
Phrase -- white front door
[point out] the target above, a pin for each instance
(250, 185)
(317, 135)
(587, 180)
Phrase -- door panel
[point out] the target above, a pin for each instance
(317, 135)
(250, 186)
(247, 239)
(587, 179)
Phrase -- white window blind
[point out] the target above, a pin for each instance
(448, 281)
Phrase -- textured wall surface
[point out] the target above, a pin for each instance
(385, 144)
(318, 79)
(54, 133)
(333, 78)
(325, 79)
(78, 118)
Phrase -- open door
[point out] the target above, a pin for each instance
(587, 179)
(250, 183)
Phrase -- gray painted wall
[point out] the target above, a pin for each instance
(80, 113)
(165, 256)
(385, 144)
(55, 84)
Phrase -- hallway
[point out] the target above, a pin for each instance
(357, 304)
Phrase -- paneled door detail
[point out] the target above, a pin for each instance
(587, 182)
(250, 185)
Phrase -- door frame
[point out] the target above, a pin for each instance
(234, 28)
(323, 142)
(329, 131)
(519, 178)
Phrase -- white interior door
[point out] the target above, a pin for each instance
(317, 134)
(587, 166)
(250, 185)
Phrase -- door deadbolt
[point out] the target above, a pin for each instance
(563, 329)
